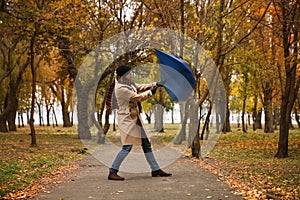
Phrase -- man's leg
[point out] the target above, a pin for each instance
(123, 153)
(146, 145)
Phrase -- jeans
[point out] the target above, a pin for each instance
(146, 145)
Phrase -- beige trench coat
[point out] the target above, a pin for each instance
(128, 114)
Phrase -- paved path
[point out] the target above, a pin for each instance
(188, 182)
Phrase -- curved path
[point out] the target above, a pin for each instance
(189, 181)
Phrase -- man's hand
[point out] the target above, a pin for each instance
(160, 83)
(153, 90)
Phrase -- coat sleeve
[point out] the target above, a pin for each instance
(144, 87)
(135, 97)
(126, 94)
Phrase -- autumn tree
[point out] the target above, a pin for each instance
(288, 14)
(37, 51)
(70, 20)
(265, 40)
(14, 60)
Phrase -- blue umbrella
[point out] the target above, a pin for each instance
(177, 75)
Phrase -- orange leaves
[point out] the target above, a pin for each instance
(247, 163)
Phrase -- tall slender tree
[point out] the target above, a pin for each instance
(288, 14)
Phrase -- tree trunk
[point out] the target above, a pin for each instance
(193, 126)
(226, 127)
(256, 115)
(48, 117)
(28, 116)
(194, 140)
(48, 109)
(158, 124)
(276, 118)
(108, 110)
(3, 124)
(206, 124)
(217, 121)
(159, 115)
(64, 108)
(102, 134)
(148, 117)
(20, 120)
(114, 124)
(54, 118)
(268, 109)
(181, 136)
(291, 124)
(41, 122)
(258, 123)
(291, 85)
(82, 111)
(172, 115)
(182, 111)
(100, 113)
(297, 118)
(8, 116)
(33, 90)
(219, 60)
(282, 151)
(86, 112)
(243, 115)
(12, 115)
(66, 119)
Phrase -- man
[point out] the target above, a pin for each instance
(129, 95)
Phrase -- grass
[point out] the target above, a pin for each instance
(246, 157)
(21, 165)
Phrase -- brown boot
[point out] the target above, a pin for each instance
(115, 177)
(160, 173)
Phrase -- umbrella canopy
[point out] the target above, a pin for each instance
(177, 75)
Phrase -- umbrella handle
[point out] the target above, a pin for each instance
(160, 83)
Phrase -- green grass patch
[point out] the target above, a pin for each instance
(21, 164)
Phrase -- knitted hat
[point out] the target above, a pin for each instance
(123, 69)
